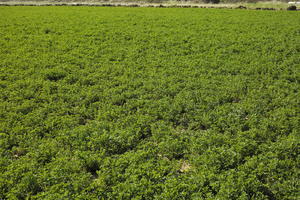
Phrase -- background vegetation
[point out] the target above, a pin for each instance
(147, 103)
(156, 1)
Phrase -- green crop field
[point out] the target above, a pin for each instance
(149, 103)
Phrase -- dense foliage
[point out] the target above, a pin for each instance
(149, 103)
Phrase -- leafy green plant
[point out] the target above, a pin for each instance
(147, 103)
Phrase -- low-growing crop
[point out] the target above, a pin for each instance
(149, 103)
